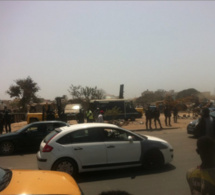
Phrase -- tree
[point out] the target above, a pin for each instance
(86, 93)
(187, 92)
(25, 90)
(148, 97)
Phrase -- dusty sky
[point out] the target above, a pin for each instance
(144, 45)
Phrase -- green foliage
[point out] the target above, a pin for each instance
(187, 92)
(86, 93)
(25, 90)
(148, 97)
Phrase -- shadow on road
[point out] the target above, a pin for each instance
(151, 130)
(192, 137)
(120, 173)
(20, 153)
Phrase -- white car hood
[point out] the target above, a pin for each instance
(155, 138)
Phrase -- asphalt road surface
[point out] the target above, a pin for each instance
(171, 180)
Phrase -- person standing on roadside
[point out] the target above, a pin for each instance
(7, 120)
(1, 123)
(80, 116)
(100, 118)
(89, 115)
(157, 118)
(206, 125)
(175, 114)
(167, 114)
(148, 115)
(201, 179)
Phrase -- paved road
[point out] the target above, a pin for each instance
(169, 181)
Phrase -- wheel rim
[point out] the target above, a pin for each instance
(65, 166)
(7, 148)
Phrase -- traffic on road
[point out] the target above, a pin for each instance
(135, 180)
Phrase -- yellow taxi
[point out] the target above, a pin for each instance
(37, 182)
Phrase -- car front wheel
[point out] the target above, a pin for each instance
(153, 160)
(66, 165)
(6, 148)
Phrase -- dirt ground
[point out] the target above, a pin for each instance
(138, 124)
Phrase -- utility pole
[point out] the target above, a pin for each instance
(121, 92)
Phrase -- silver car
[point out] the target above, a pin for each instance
(100, 146)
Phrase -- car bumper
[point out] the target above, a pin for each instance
(190, 129)
(43, 163)
(168, 155)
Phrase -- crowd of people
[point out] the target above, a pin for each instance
(96, 116)
(153, 113)
(201, 179)
(5, 121)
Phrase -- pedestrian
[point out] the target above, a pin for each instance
(89, 115)
(157, 117)
(80, 116)
(148, 115)
(50, 114)
(205, 126)
(167, 114)
(7, 120)
(175, 114)
(96, 114)
(201, 179)
(1, 123)
(100, 118)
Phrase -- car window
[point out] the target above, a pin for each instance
(83, 136)
(56, 125)
(118, 135)
(50, 135)
(52, 126)
(37, 128)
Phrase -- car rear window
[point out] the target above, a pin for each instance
(51, 134)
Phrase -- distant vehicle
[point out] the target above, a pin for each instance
(191, 127)
(71, 110)
(27, 138)
(125, 107)
(39, 112)
(46, 111)
(100, 146)
(37, 182)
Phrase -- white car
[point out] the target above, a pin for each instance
(100, 146)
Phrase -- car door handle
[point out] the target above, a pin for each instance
(111, 146)
(78, 148)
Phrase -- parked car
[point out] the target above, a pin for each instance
(100, 146)
(191, 127)
(27, 138)
(37, 182)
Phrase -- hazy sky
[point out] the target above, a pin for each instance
(144, 45)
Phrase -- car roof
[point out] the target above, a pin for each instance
(45, 122)
(87, 125)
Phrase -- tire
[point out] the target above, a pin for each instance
(153, 160)
(6, 148)
(66, 165)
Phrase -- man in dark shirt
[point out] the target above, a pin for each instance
(7, 120)
(201, 180)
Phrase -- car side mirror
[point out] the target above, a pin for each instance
(130, 138)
